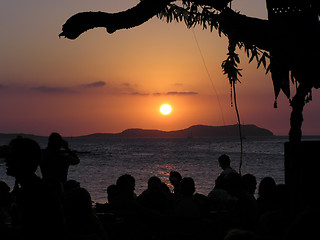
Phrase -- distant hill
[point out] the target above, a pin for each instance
(196, 131)
(10, 136)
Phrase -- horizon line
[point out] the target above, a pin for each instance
(139, 128)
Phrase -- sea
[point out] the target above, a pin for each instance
(104, 160)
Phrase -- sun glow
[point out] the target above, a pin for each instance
(165, 109)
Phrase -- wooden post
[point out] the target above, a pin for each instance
(302, 166)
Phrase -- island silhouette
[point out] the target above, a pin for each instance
(195, 131)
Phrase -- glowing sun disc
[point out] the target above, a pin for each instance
(165, 109)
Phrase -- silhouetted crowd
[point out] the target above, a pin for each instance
(55, 207)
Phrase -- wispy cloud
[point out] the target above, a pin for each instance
(181, 93)
(164, 94)
(122, 88)
(178, 84)
(72, 89)
(97, 84)
(139, 94)
(126, 84)
(129, 87)
(53, 90)
(3, 86)
(175, 93)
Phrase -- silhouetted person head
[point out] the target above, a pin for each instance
(154, 184)
(56, 141)
(71, 184)
(249, 183)
(187, 186)
(23, 157)
(126, 184)
(266, 186)
(175, 178)
(77, 207)
(78, 201)
(224, 161)
(165, 188)
(81, 221)
(112, 191)
(40, 207)
(56, 161)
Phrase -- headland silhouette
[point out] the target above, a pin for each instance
(195, 131)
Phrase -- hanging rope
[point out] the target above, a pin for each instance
(209, 76)
(230, 68)
(239, 125)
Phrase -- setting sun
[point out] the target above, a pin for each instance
(165, 109)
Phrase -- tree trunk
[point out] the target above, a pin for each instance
(296, 119)
(301, 166)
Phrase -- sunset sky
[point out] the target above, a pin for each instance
(104, 82)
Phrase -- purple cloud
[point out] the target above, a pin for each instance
(53, 90)
(94, 84)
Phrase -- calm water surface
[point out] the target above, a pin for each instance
(103, 161)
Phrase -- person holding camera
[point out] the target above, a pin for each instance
(57, 158)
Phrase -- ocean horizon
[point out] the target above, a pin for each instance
(197, 131)
(102, 161)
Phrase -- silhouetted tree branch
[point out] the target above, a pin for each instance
(135, 16)
(289, 39)
(142, 12)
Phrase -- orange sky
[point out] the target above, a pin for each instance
(108, 83)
